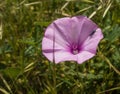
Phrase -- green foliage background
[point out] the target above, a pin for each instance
(23, 68)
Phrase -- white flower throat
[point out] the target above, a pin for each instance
(75, 49)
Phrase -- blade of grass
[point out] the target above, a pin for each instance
(95, 11)
(112, 89)
(6, 84)
(1, 31)
(33, 3)
(105, 12)
(22, 2)
(84, 9)
(108, 61)
(4, 91)
(88, 1)
(64, 6)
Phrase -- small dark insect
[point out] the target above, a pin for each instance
(92, 32)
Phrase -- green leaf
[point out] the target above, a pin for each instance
(113, 33)
(11, 72)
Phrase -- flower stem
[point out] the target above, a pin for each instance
(54, 66)
(54, 78)
(77, 70)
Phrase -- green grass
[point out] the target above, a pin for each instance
(24, 69)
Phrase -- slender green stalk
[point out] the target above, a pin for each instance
(77, 70)
(112, 89)
(110, 64)
(54, 65)
(54, 78)
(6, 84)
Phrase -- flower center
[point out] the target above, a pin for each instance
(75, 52)
(75, 49)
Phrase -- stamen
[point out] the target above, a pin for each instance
(75, 51)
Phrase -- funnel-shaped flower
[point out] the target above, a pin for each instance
(73, 39)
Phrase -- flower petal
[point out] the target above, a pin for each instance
(67, 30)
(47, 46)
(59, 53)
(88, 27)
(75, 28)
(61, 56)
(91, 43)
(58, 29)
(83, 56)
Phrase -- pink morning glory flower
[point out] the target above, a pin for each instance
(71, 39)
